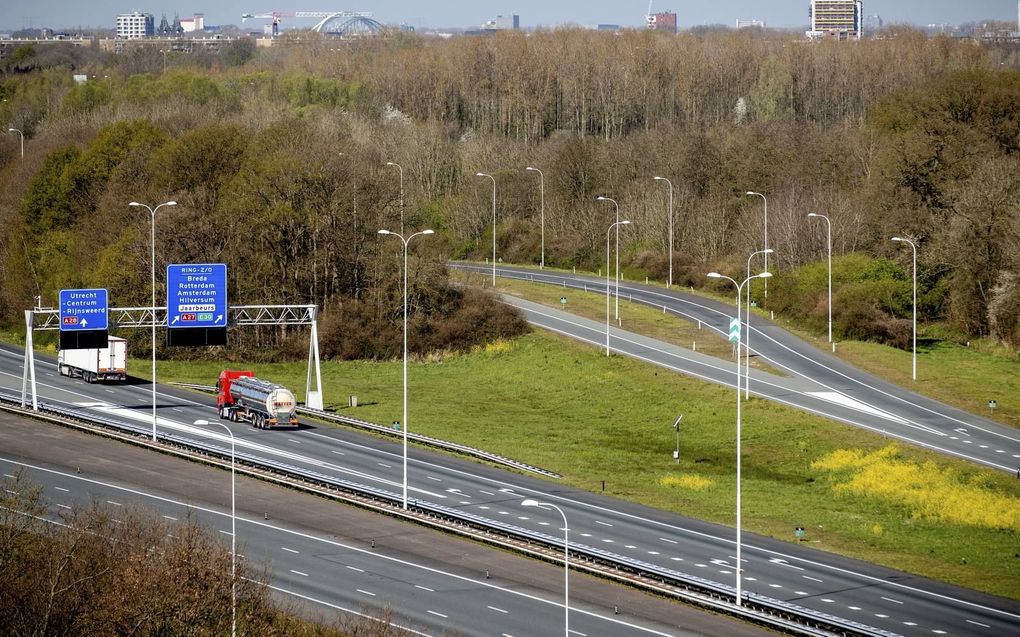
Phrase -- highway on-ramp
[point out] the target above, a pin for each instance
(815, 381)
(874, 596)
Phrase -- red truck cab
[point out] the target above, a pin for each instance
(223, 397)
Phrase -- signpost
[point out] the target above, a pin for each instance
(84, 319)
(676, 425)
(196, 304)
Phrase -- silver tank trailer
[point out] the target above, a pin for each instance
(275, 401)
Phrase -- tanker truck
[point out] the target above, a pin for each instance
(241, 397)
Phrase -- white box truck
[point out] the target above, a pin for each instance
(107, 363)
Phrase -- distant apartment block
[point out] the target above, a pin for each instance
(135, 25)
(841, 19)
(194, 23)
(664, 21)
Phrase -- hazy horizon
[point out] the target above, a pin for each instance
(66, 14)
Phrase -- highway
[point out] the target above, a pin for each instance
(342, 559)
(816, 381)
(893, 601)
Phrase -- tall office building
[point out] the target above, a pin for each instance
(843, 19)
(664, 21)
(135, 25)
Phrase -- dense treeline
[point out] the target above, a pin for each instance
(278, 166)
(91, 573)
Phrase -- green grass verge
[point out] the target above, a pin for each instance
(567, 407)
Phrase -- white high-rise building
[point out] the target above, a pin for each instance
(135, 25)
(843, 19)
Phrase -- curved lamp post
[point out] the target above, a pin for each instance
(739, 286)
(828, 231)
(541, 188)
(405, 242)
(751, 193)
(617, 254)
(747, 339)
(670, 218)
(152, 213)
(401, 169)
(566, 559)
(233, 527)
(493, 224)
(913, 247)
(608, 232)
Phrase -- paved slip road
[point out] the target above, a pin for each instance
(322, 553)
(887, 599)
(816, 381)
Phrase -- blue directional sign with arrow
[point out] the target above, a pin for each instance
(83, 310)
(196, 295)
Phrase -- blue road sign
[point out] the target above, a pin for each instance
(196, 295)
(82, 310)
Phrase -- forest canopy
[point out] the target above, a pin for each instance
(278, 162)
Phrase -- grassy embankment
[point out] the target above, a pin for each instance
(567, 407)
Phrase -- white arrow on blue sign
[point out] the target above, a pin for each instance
(734, 330)
(83, 310)
(196, 295)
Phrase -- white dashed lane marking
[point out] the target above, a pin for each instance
(498, 610)
(299, 573)
(425, 588)
(289, 550)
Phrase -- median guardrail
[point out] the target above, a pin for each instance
(429, 441)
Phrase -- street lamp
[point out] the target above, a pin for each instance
(914, 248)
(670, 184)
(493, 224)
(405, 242)
(541, 187)
(401, 169)
(758, 194)
(566, 560)
(739, 286)
(617, 255)
(15, 130)
(828, 227)
(747, 339)
(152, 213)
(608, 232)
(233, 527)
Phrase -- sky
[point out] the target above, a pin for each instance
(17, 14)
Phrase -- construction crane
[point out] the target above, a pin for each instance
(325, 16)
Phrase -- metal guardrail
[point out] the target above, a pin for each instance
(419, 438)
(757, 608)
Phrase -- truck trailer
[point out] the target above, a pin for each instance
(240, 397)
(107, 363)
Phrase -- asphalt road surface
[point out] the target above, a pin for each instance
(815, 381)
(872, 595)
(339, 559)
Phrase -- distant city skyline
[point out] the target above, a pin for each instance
(69, 14)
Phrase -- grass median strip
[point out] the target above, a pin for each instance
(557, 404)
